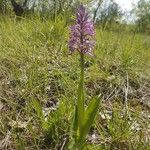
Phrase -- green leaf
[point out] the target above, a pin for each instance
(74, 126)
(37, 108)
(89, 117)
(39, 113)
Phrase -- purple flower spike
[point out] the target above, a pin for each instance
(81, 36)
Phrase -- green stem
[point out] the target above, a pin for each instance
(80, 102)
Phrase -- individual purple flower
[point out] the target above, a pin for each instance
(82, 33)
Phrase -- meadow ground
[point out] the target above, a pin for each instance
(39, 79)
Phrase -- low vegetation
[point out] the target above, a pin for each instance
(38, 84)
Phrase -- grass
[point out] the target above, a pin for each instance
(38, 87)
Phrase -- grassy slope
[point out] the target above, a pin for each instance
(38, 84)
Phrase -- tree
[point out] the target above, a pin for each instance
(3, 6)
(18, 8)
(106, 12)
(142, 12)
(96, 10)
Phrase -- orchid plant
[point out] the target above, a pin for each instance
(81, 40)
